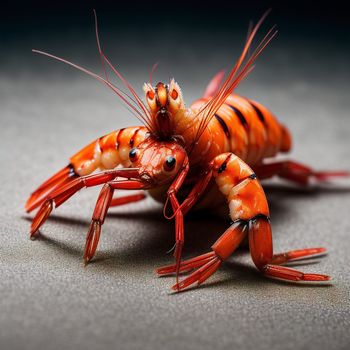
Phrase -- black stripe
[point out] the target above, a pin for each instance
(224, 164)
(132, 140)
(223, 125)
(72, 172)
(258, 112)
(118, 136)
(252, 220)
(259, 217)
(240, 116)
(222, 167)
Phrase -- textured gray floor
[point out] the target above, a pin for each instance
(48, 300)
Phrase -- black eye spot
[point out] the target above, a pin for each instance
(133, 154)
(170, 162)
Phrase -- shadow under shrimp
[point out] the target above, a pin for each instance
(202, 229)
(148, 247)
(153, 247)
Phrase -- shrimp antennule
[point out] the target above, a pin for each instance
(237, 74)
(134, 105)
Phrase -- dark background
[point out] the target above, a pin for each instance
(319, 16)
(48, 111)
(162, 26)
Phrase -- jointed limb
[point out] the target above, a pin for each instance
(59, 195)
(293, 255)
(179, 210)
(63, 177)
(103, 203)
(249, 210)
(260, 244)
(295, 172)
(127, 199)
(208, 263)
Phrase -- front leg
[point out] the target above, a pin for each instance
(179, 210)
(103, 203)
(61, 194)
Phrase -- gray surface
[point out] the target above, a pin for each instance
(50, 301)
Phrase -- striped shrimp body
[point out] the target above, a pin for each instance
(248, 129)
(218, 144)
(107, 152)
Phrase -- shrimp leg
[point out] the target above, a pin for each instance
(179, 222)
(295, 172)
(61, 194)
(260, 244)
(127, 199)
(179, 210)
(103, 203)
(250, 215)
(62, 177)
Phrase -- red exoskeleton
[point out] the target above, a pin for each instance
(209, 153)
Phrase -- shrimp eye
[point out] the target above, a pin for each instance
(169, 164)
(174, 94)
(150, 94)
(133, 154)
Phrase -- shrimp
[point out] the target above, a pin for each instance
(201, 156)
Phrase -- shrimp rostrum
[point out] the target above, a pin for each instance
(201, 156)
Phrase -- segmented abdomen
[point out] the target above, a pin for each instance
(250, 130)
(238, 183)
(108, 151)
